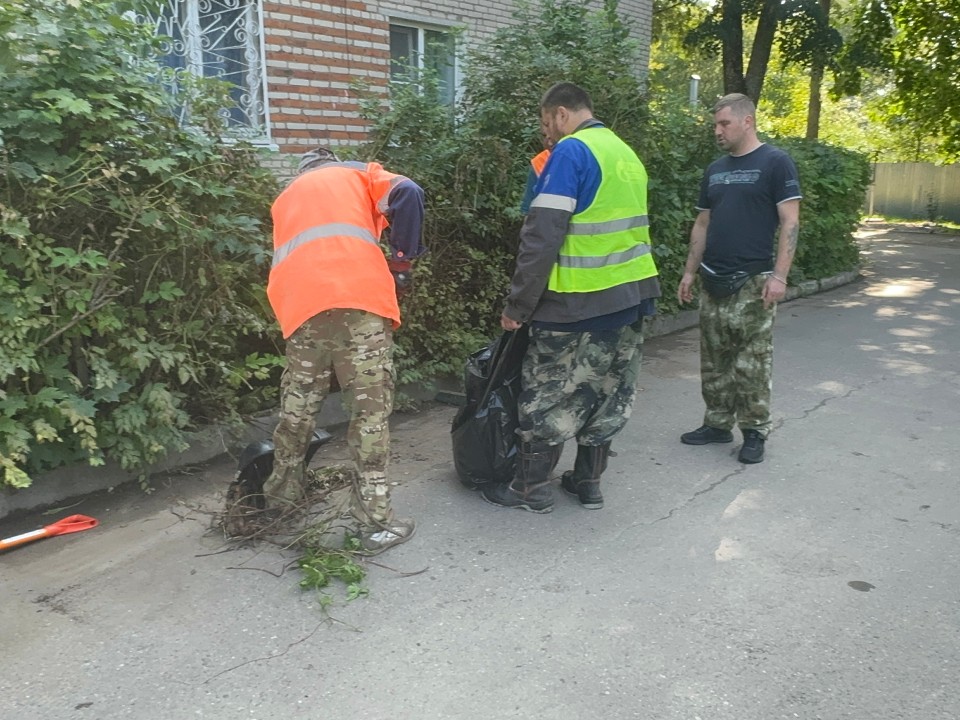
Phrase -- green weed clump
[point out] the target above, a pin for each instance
(319, 566)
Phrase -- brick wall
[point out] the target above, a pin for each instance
(482, 18)
(314, 50)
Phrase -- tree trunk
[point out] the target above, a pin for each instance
(816, 82)
(731, 23)
(814, 104)
(760, 52)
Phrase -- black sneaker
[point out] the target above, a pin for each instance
(706, 434)
(752, 450)
(587, 491)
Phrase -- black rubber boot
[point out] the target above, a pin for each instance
(584, 480)
(530, 488)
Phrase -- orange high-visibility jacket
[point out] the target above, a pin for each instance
(539, 161)
(326, 244)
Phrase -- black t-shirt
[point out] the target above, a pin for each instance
(742, 194)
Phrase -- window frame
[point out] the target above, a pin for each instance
(422, 26)
(191, 34)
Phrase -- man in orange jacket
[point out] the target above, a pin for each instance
(334, 293)
(537, 163)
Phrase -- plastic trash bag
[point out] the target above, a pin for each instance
(484, 430)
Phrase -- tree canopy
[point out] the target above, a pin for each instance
(800, 28)
(917, 43)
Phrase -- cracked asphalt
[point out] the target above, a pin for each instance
(823, 583)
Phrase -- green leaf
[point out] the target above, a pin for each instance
(156, 165)
(75, 106)
(14, 477)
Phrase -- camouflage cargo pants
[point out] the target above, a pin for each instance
(357, 346)
(736, 358)
(579, 384)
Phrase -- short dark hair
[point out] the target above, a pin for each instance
(568, 95)
(739, 104)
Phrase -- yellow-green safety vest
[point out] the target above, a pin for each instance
(608, 243)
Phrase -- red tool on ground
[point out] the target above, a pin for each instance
(72, 524)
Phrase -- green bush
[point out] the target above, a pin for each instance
(676, 145)
(133, 255)
(467, 182)
(833, 182)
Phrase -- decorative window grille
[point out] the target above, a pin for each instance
(415, 48)
(221, 39)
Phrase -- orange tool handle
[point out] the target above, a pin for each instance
(12, 542)
(71, 524)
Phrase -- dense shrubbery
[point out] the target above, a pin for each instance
(833, 182)
(133, 252)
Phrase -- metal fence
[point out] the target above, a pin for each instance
(915, 191)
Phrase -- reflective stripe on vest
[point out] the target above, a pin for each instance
(610, 226)
(318, 233)
(600, 261)
(326, 231)
(554, 202)
(608, 243)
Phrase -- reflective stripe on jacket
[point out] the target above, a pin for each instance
(607, 243)
(326, 244)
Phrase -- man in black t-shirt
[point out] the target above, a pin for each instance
(744, 197)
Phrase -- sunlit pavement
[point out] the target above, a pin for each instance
(821, 583)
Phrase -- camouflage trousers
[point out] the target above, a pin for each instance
(357, 346)
(579, 384)
(736, 358)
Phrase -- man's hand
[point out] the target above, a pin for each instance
(509, 323)
(774, 290)
(685, 288)
(402, 272)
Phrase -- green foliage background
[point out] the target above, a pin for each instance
(135, 251)
(833, 181)
(131, 265)
(915, 46)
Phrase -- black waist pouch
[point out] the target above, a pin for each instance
(721, 286)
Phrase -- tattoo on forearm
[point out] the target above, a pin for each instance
(792, 235)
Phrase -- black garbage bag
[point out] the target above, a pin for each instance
(484, 430)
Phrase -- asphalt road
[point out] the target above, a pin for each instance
(823, 583)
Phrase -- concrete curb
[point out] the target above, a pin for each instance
(63, 484)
